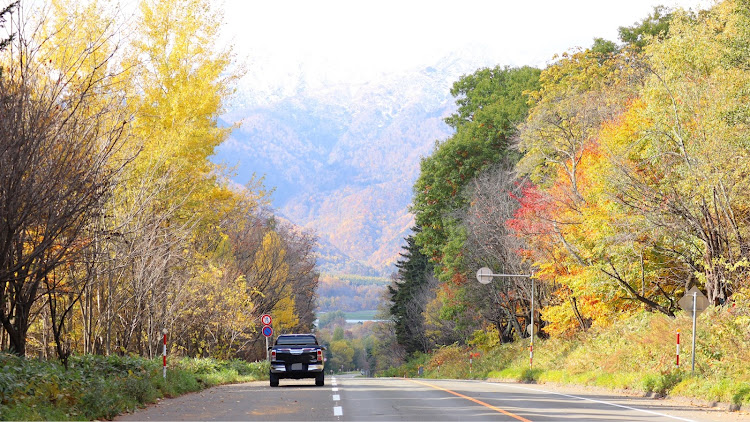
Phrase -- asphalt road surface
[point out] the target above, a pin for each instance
(396, 399)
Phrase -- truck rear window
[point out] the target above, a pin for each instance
(295, 340)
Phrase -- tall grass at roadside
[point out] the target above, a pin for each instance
(635, 353)
(101, 387)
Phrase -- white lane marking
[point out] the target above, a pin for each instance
(337, 410)
(598, 401)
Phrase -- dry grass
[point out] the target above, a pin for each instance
(635, 353)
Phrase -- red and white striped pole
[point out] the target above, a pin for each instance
(531, 355)
(164, 353)
(678, 348)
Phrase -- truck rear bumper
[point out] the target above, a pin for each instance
(281, 369)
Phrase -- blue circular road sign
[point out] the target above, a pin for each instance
(267, 331)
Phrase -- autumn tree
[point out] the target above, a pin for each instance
(170, 206)
(495, 196)
(116, 224)
(63, 123)
(490, 104)
(303, 274)
(277, 262)
(580, 92)
(681, 148)
(638, 190)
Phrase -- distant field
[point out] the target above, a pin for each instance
(359, 280)
(361, 315)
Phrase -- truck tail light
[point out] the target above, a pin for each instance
(320, 355)
(273, 355)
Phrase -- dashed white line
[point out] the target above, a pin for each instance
(337, 410)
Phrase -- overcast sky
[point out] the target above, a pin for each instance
(353, 40)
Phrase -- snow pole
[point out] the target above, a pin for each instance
(678, 348)
(164, 354)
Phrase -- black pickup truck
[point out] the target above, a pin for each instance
(297, 356)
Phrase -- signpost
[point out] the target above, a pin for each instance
(267, 329)
(696, 302)
(485, 275)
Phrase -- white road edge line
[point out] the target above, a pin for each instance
(337, 411)
(335, 389)
(597, 401)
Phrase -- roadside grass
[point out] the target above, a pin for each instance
(101, 387)
(635, 353)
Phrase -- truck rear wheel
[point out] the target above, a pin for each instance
(320, 380)
(274, 380)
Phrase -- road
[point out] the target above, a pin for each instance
(397, 399)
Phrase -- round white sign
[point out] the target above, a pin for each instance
(484, 275)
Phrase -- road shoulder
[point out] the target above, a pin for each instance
(702, 409)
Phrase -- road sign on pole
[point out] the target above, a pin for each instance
(484, 275)
(267, 331)
(699, 305)
(695, 302)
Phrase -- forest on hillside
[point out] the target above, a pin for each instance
(350, 293)
(116, 226)
(616, 176)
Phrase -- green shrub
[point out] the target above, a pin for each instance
(99, 387)
(104, 399)
(742, 395)
(661, 384)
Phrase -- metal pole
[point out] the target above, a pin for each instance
(267, 351)
(695, 314)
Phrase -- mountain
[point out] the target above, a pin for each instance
(343, 158)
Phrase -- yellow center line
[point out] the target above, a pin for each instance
(496, 409)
